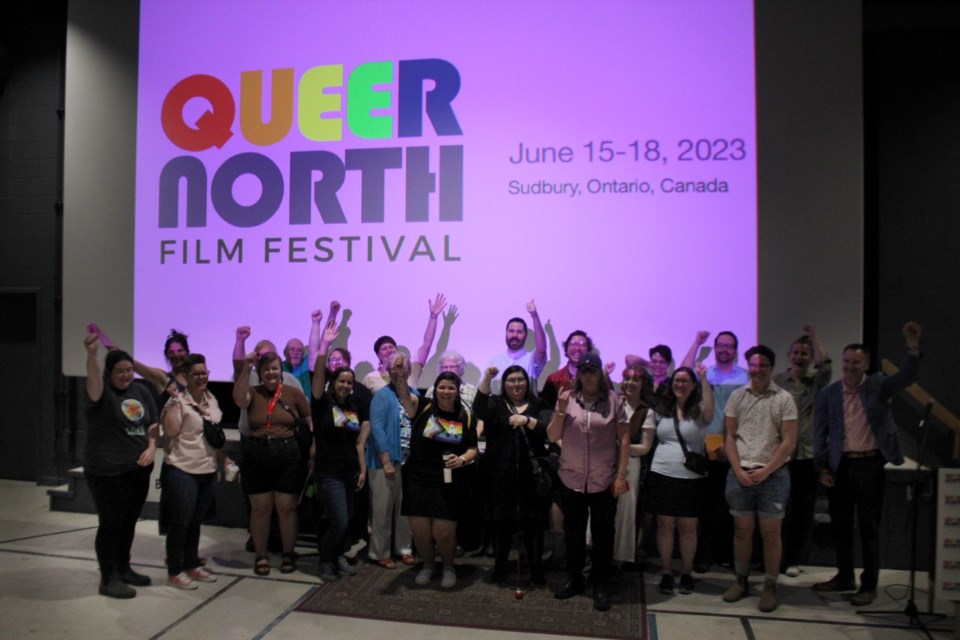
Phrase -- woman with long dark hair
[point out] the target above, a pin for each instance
(635, 388)
(674, 493)
(515, 427)
(341, 428)
(436, 486)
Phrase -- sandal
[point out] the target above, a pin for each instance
(261, 566)
(288, 563)
(387, 563)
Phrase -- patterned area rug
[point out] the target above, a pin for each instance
(392, 595)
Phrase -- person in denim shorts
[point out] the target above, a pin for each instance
(760, 420)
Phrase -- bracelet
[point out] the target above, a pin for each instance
(560, 413)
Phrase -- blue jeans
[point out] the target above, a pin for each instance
(185, 500)
(767, 499)
(337, 491)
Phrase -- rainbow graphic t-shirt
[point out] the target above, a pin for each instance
(443, 430)
(345, 419)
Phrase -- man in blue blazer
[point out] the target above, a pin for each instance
(854, 438)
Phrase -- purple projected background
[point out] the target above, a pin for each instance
(656, 99)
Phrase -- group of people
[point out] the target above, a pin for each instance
(678, 452)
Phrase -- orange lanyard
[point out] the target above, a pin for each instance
(271, 404)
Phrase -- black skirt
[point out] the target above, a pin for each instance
(677, 497)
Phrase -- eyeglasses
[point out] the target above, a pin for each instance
(725, 347)
(337, 359)
(577, 343)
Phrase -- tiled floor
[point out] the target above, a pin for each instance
(48, 589)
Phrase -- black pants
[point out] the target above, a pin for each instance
(715, 535)
(601, 510)
(799, 519)
(532, 528)
(119, 500)
(858, 489)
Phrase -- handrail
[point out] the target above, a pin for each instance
(940, 412)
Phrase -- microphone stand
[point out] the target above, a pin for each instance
(911, 611)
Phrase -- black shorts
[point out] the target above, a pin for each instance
(271, 465)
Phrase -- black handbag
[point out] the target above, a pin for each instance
(546, 482)
(213, 434)
(695, 462)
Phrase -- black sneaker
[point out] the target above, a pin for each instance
(569, 590)
(601, 599)
(686, 584)
(129, 576)
(114, 588)
(666, 584)
(836, 583)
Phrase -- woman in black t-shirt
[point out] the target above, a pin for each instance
(341, 426)
(435, 485)
(122, 434)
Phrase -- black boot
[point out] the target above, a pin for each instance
(113, 587)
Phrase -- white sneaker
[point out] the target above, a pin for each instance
(449, 580)
(423, 578)
(792, 571)
(200, 574)
(181, 581)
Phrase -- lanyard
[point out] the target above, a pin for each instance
(271, 404)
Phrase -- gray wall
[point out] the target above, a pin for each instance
(914, 114)
(31, 390)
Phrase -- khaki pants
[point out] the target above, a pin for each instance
(385, 498)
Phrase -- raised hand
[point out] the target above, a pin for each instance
(334, 309)
(701, 373)
(243, 333)
(91, 343)
(702, 337)
(330, 332)
(437, 305)
(104, 338)
(316, 316)
(491, 373)
(532, 308)
(912, 332)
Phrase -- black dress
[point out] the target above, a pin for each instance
(506, 478)
(434, 434)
